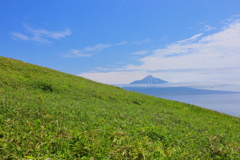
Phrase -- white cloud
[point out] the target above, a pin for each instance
(123, 77)
(214, 57)
(40, 35)
(219, 50)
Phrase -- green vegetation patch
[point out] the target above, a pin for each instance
(46, 114)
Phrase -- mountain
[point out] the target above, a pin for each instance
(145, 86)
(149, 80)
(47, 114)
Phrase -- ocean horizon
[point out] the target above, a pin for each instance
(224, 103)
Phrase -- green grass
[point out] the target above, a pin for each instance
(46, 114)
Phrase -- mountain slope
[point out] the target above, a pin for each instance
(46, 114)
(149, 80)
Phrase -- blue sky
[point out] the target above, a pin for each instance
(119, 41)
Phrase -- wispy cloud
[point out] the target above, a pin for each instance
(143, 52)
(76, 53)
(40, 35)
(89, 51)
(191, 39)
(208, 28)
(98, 47)
(142, 42)
(122, 43)
(213, 57)
(20, 36)
(86, 52)
(217, 50)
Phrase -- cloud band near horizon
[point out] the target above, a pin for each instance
(215, 57)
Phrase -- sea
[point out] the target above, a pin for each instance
(224, 103)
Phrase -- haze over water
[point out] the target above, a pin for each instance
(227, 103)
(224, 103)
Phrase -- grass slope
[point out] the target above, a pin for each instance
(46, 114)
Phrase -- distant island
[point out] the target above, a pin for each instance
(150, 86)
(149, 80)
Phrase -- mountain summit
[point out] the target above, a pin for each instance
(149, 80)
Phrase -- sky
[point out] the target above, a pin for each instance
(119, 41)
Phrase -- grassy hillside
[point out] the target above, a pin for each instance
(46, 114)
